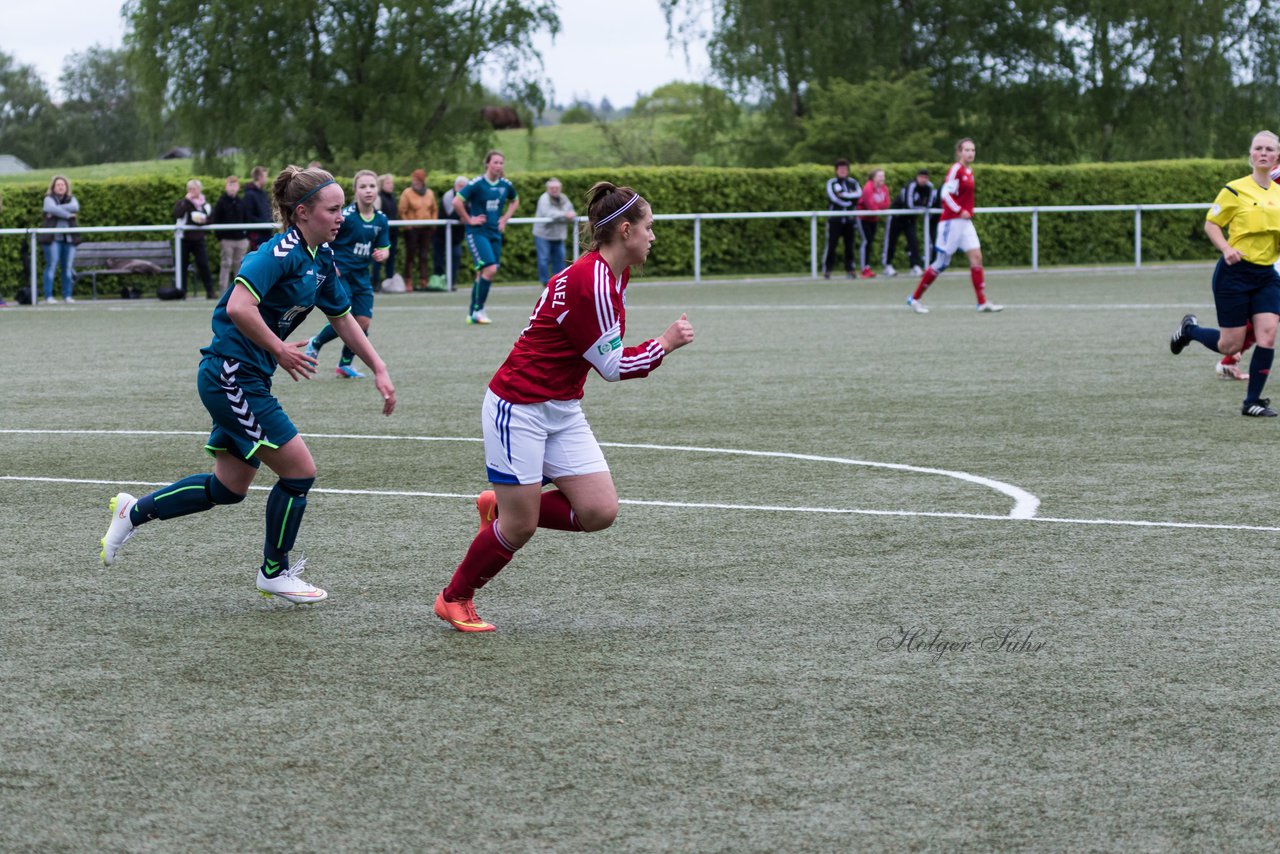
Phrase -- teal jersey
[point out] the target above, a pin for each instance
(488, 199)
(354, 245)
(288, 279)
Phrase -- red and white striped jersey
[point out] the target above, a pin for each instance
(957, 192)
(577, 324)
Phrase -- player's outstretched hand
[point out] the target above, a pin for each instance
(678, 334)
(382, 380)
(292, 358)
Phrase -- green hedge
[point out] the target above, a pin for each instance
(759, 246)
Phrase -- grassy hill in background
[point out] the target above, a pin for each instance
(628, 142)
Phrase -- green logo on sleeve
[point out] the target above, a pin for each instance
(615, 344)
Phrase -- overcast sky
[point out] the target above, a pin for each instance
(605, 49)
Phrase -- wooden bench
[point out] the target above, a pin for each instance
(115, 257)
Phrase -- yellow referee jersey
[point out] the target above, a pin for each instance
(1251, 217)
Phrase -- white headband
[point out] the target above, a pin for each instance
(628, 203)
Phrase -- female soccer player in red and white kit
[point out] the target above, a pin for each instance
(956, 231)
(534, 429)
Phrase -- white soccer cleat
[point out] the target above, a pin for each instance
(121, 528)
(916, 306)
(479, 317)
(287, 585)
(1230, 372)
(889, 271)
(990, 307)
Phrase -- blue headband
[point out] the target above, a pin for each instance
(314, 191)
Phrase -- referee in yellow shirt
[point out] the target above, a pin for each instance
(1245, 283)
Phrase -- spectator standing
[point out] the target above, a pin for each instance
(875, 197)
(485, 205)
(193, 210)
(60, 211)
(417, 202)
(549, 237)
(257, 207)
(843, 193)
(387, 204)
(234, 243)
(455, 234)
(917, 195)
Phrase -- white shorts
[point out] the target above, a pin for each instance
(956, 234)
(537, 442)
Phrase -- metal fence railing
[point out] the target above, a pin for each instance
(1035, 212)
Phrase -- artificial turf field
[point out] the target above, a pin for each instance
(717, 672)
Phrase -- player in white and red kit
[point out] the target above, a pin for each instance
(956, 231)
(534, 429)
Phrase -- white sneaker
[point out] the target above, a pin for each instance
(889, 271)
(916, 306)
(288, 586)
(916, 270)
(121, 528)
(990, 306)
(50, 301)
(69, 300)
(1230, 372)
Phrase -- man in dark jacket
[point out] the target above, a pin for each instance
(234, 243)
(257, 207)
(843, 193)
(917, 195)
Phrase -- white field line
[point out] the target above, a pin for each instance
(674, 504)
(1024, 503)
(763, 508)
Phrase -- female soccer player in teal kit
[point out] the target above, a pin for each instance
(276, 289)
(365, 235)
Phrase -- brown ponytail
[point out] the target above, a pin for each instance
(295, 186)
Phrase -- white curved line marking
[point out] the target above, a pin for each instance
(835, 511)
(1024, 503)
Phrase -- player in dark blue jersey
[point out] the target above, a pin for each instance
(484, 206)
(278, 286)
(364, 235)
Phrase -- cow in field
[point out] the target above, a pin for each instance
(501, 118)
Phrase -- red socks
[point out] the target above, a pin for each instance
(557, 513)
(485, 559)
(979, 289)
(929, 275)
(489, 552)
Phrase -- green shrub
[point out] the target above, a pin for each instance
(768, 246)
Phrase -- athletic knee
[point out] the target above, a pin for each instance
(220, 493)
(597, 518)
(297, 486)
(516, 532)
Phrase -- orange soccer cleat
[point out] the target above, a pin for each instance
(461, 615)
(487, 504)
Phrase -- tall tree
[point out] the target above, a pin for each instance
(26, 112)
(332, 80)
(1055, 80)
(101, 119)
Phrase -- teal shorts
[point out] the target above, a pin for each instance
(361, 299)
(246, 416)
(485, 247)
